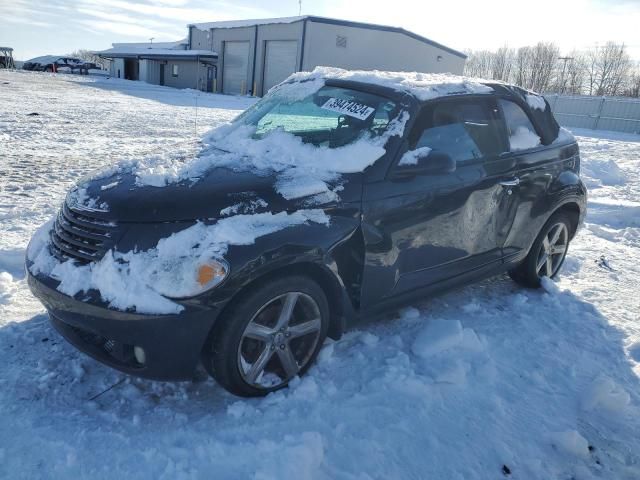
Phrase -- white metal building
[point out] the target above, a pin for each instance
(168, 63)
(251, 56)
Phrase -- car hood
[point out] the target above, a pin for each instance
(220, 192)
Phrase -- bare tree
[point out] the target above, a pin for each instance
(89, 56)
(575, 74)
(522, 67)
(502, 64)
(633, 84)
(608, 69)
(569, 75)
(544, 59)
(478, 64)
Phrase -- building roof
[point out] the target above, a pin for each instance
(246, 23)
(134, 52)
(177, 45)
(325, 20)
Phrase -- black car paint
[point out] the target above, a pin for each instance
(392, 238)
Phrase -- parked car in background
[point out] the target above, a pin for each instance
(337, 195)
(52, 63)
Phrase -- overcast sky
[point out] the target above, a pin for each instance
(38, 27)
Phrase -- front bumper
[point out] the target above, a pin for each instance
(172, 343)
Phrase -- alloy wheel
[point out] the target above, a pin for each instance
(552, 251)
(280, 340)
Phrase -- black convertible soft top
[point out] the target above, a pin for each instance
(543, 119)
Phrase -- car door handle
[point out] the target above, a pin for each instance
(514, 182)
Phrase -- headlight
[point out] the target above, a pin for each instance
(190, 278)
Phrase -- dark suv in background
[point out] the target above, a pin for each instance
(475, 182)
(51, 63)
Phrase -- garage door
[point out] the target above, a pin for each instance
(279, 62)
(235, 67)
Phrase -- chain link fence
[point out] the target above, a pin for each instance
(598, 113)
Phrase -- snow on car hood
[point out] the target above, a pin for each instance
(140, 280)
(300, 170)
(220, 192)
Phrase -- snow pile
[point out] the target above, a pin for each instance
(571, 442)
(446, 348)
(523, 138)
(603, 172)
(440, 335)
(536, 102)
(302, 170)
(142, 280)
(605, 394)
(424, 86)
(411, 157)
(6, 287)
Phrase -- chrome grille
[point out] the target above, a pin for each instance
(80, 236)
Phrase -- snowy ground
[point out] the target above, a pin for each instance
(487, 382)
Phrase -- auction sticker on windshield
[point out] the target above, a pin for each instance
(348, 107)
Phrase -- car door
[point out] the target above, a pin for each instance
(425, 229)
(535, 167)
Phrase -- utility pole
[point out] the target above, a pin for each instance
(299, 7)
(151, 40)
(564, 69)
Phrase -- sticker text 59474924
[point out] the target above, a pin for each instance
(348, 107)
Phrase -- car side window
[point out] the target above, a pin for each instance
(465, 130)
(520, 131)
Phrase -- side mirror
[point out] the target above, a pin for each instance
(429, 163)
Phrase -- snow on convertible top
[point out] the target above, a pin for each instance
(423, 86)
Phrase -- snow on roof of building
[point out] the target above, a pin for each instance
(245, 23)
(177, 45)
(154, 52)
(333, 21)
(423, 86)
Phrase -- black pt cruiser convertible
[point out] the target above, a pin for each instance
(338, 195)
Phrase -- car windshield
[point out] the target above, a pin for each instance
(331, 117)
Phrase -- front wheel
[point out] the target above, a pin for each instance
(547, 253)
(270, 335)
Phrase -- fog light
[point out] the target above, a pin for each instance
(138, 352)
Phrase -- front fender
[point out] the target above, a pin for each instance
(310, 248)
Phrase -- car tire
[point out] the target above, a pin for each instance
(546, 256)
(252, 350)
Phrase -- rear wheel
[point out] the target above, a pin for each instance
(270, 335)
(547, 253)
